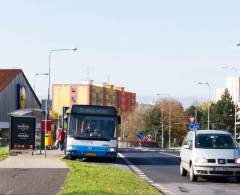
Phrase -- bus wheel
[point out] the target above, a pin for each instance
(238, 179)
(112, 160)
(72, 157)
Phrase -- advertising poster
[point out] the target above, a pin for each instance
(21, 97)
(22, 133)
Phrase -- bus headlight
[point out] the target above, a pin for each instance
(70, 147)
(237, 160)
(112, 150)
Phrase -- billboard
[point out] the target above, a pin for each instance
(21, 97)
(22, 133)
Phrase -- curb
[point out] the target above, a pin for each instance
(144, 177)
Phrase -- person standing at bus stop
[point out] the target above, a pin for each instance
(61, 139)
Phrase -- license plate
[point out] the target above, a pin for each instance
(219, 169)
(90, 154)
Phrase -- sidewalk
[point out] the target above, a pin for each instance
(27, 161)
(32, 175)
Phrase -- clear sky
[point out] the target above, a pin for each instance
(148, 46)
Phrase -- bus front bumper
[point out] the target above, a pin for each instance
(97, 154)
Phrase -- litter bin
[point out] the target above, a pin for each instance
(48, 140)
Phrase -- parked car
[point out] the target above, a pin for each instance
(210, 153)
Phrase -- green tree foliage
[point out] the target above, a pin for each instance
(148, 119)
(194, 111)
(223, 113)
(153, 120)
(173, 114)
(134, 122)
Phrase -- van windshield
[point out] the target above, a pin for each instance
(215, 141)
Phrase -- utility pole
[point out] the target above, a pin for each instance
(169, 121)
(209, 99)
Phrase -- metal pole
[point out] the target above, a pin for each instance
(209, 98)
(169, 128)
(162, 128)
(235, 117)
(169, 121)
(49, 81)
(49, 73)
(209, 105)
(196, 114)
(45, 149)
(46, 106)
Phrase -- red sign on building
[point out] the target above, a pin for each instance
(43, 125)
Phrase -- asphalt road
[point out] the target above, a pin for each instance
(162, 167)
(31, 181)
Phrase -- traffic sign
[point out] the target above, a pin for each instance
(193, 126)
(139, 135)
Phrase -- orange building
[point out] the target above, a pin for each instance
(88, 93)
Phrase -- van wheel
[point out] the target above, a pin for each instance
(183, 172)
(238, 179)
(192, 176)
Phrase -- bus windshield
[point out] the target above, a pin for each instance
(92, 127)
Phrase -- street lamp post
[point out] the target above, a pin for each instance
(209, 98)
(49, 81)
(169, 125)
(38, 74)
(236, 91)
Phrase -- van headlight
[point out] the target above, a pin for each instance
(237, 160)
(201, 160)
(112, 150)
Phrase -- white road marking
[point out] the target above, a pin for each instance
(143, 176)
(169, 154)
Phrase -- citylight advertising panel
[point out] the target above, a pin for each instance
(22, 133)
(21, 97)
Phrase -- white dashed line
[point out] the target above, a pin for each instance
(143, 176)
(170, 154)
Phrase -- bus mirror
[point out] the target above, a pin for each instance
(66, 117)
(119, 120)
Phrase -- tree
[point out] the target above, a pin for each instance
(134, 122)
(152, 120)
(177, 121)
(194, 111)
(202, 113)
(223, 113)
(148, 119)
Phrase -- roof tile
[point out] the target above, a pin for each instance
(6, 76)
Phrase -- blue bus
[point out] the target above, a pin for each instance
(92, 132)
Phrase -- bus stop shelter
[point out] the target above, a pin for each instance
(38, 115)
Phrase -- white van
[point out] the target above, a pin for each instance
(210, 153)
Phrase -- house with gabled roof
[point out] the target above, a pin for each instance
(16, 93)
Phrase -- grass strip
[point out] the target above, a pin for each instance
(91, 179)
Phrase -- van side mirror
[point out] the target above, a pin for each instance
(119, 120)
